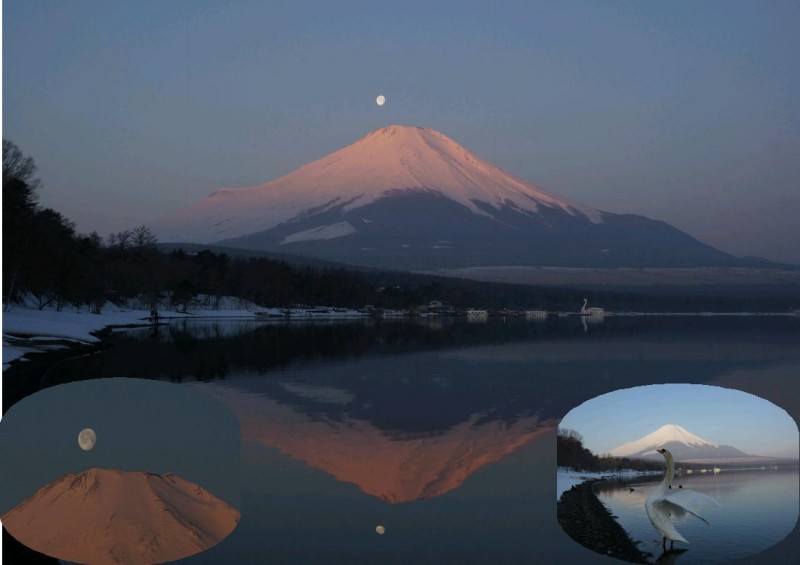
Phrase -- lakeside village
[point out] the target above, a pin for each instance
(433, 309)
(30, 326)
(442, 309)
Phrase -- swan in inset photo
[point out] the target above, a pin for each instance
(663, 506)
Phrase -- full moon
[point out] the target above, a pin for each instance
(381, 100)
(87, 438)
(380, 530)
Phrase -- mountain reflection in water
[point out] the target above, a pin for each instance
(450, 422)
(394, 466)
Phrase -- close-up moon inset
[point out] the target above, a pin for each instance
(87, 438)
(83, 506)
(381, 100)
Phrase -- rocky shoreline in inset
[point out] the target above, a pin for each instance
(586, 520)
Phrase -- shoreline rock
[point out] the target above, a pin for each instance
(587, 521)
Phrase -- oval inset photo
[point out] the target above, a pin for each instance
(698, 473)
(119, 471)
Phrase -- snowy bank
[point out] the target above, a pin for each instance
(566, 477)
(66, 324)
(27, 330)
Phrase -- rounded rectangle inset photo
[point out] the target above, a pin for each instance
(119, 471)
(655, 473)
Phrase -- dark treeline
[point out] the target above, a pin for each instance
(41, 253)
(570, 452)
(44, 257)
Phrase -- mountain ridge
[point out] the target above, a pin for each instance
(391, 158)
(683, 445)
(411, 197)
(391, 466)
(112, 516)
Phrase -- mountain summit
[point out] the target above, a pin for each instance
(394, 158)
(412, 197)
(684, 446)
(112, 516)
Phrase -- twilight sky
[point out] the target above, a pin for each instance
(681, 111)
(721, 415)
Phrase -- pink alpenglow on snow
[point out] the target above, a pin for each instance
(390, 199)
(356, 451)
(388, 159)
(105, 516)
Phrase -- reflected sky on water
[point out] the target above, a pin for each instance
(442, 432)
(757, 509)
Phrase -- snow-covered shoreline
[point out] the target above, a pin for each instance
(27, 329)
(566, 477)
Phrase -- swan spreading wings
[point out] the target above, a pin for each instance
(663, 506)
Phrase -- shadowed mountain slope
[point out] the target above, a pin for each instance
(412, 198)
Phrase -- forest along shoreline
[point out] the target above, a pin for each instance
(586, 520)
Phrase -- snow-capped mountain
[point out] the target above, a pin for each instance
(111, 516)
(412, 197)
(684, 446)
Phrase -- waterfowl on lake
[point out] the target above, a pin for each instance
(593, 311)
(662, 506)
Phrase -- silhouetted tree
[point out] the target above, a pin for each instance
(143, 238)
(50, 255)
(19, 208)
(19, 167)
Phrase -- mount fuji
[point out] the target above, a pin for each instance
(412, 198)
(684, 446)
(112, 516)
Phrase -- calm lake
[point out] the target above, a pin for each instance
(443, 431)
(757, 509)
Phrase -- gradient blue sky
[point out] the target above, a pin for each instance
(681, 111)
(720, 415)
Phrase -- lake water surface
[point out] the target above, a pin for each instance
(443, 432)
(757, 509)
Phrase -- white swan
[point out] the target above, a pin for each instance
(593, 311)
(662, 506)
